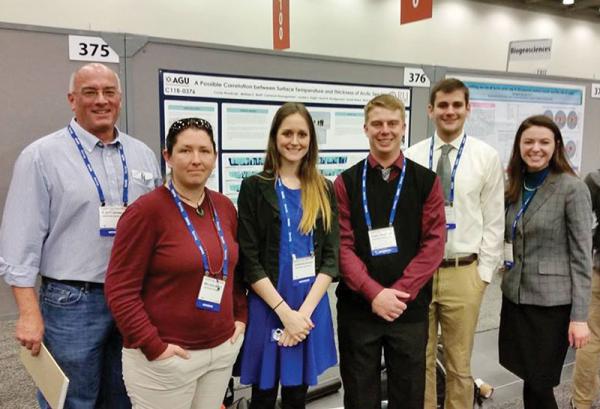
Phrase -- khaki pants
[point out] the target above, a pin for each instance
(456, 298)
(586, 383)
(176, 383)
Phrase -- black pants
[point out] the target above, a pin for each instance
(362, 337)
(292, 397)
(536, 397)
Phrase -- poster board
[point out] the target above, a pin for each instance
(241, 109)
(498, 106)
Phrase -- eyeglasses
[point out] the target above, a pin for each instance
(186, 123)
(92, 93)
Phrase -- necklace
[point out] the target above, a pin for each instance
(199, 209)
(537, 178)
(529, 189)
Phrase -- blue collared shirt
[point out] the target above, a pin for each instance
(51, 222)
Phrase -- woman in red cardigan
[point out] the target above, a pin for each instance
(171, 282)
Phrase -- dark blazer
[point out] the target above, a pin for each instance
(259, 230)
(553, 247)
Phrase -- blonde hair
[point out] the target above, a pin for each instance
(314, 196)
(387, 101)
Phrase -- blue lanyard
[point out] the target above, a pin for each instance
(518, 216)
(522, 210)
(396, 196)
(281, 193)
(190, 227)
(454, 168)
(90, 169)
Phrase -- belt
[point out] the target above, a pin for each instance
(85, 285)
(458, 261)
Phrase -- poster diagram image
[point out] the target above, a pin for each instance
(322, 121)
(331, 164)
(549, 114)
(237, 167)
(246, 126)
(572, 120)
(571, 149)
(560, 119)
(175, 110)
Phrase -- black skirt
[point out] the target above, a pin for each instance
(533, 341)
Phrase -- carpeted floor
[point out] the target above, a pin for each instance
(562, 393)
(17, 390)
(16, 387)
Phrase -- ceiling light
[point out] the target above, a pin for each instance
(568, 2)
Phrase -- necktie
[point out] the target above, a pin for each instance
(385, 173)
(443, 169)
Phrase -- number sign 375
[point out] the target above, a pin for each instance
(84, 48)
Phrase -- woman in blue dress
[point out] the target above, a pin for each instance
(289, 239)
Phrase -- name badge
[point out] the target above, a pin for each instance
(303, 269)
(509, 261)
(141, 175)
(211, 293)
(450, 218)
(383, 241)
(109, 216)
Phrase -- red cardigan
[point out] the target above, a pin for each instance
(155, 273)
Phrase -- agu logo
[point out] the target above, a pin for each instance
(177, 79)
(178, 85)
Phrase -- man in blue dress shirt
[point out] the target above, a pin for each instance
(67, 192)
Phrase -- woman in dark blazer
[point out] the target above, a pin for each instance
(289, 239)
(547, 273)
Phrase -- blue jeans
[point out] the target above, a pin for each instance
(82, 336)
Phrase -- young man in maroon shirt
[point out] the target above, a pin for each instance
(392, 229)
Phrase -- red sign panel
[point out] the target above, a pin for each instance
(281, 24)
(415, 10)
